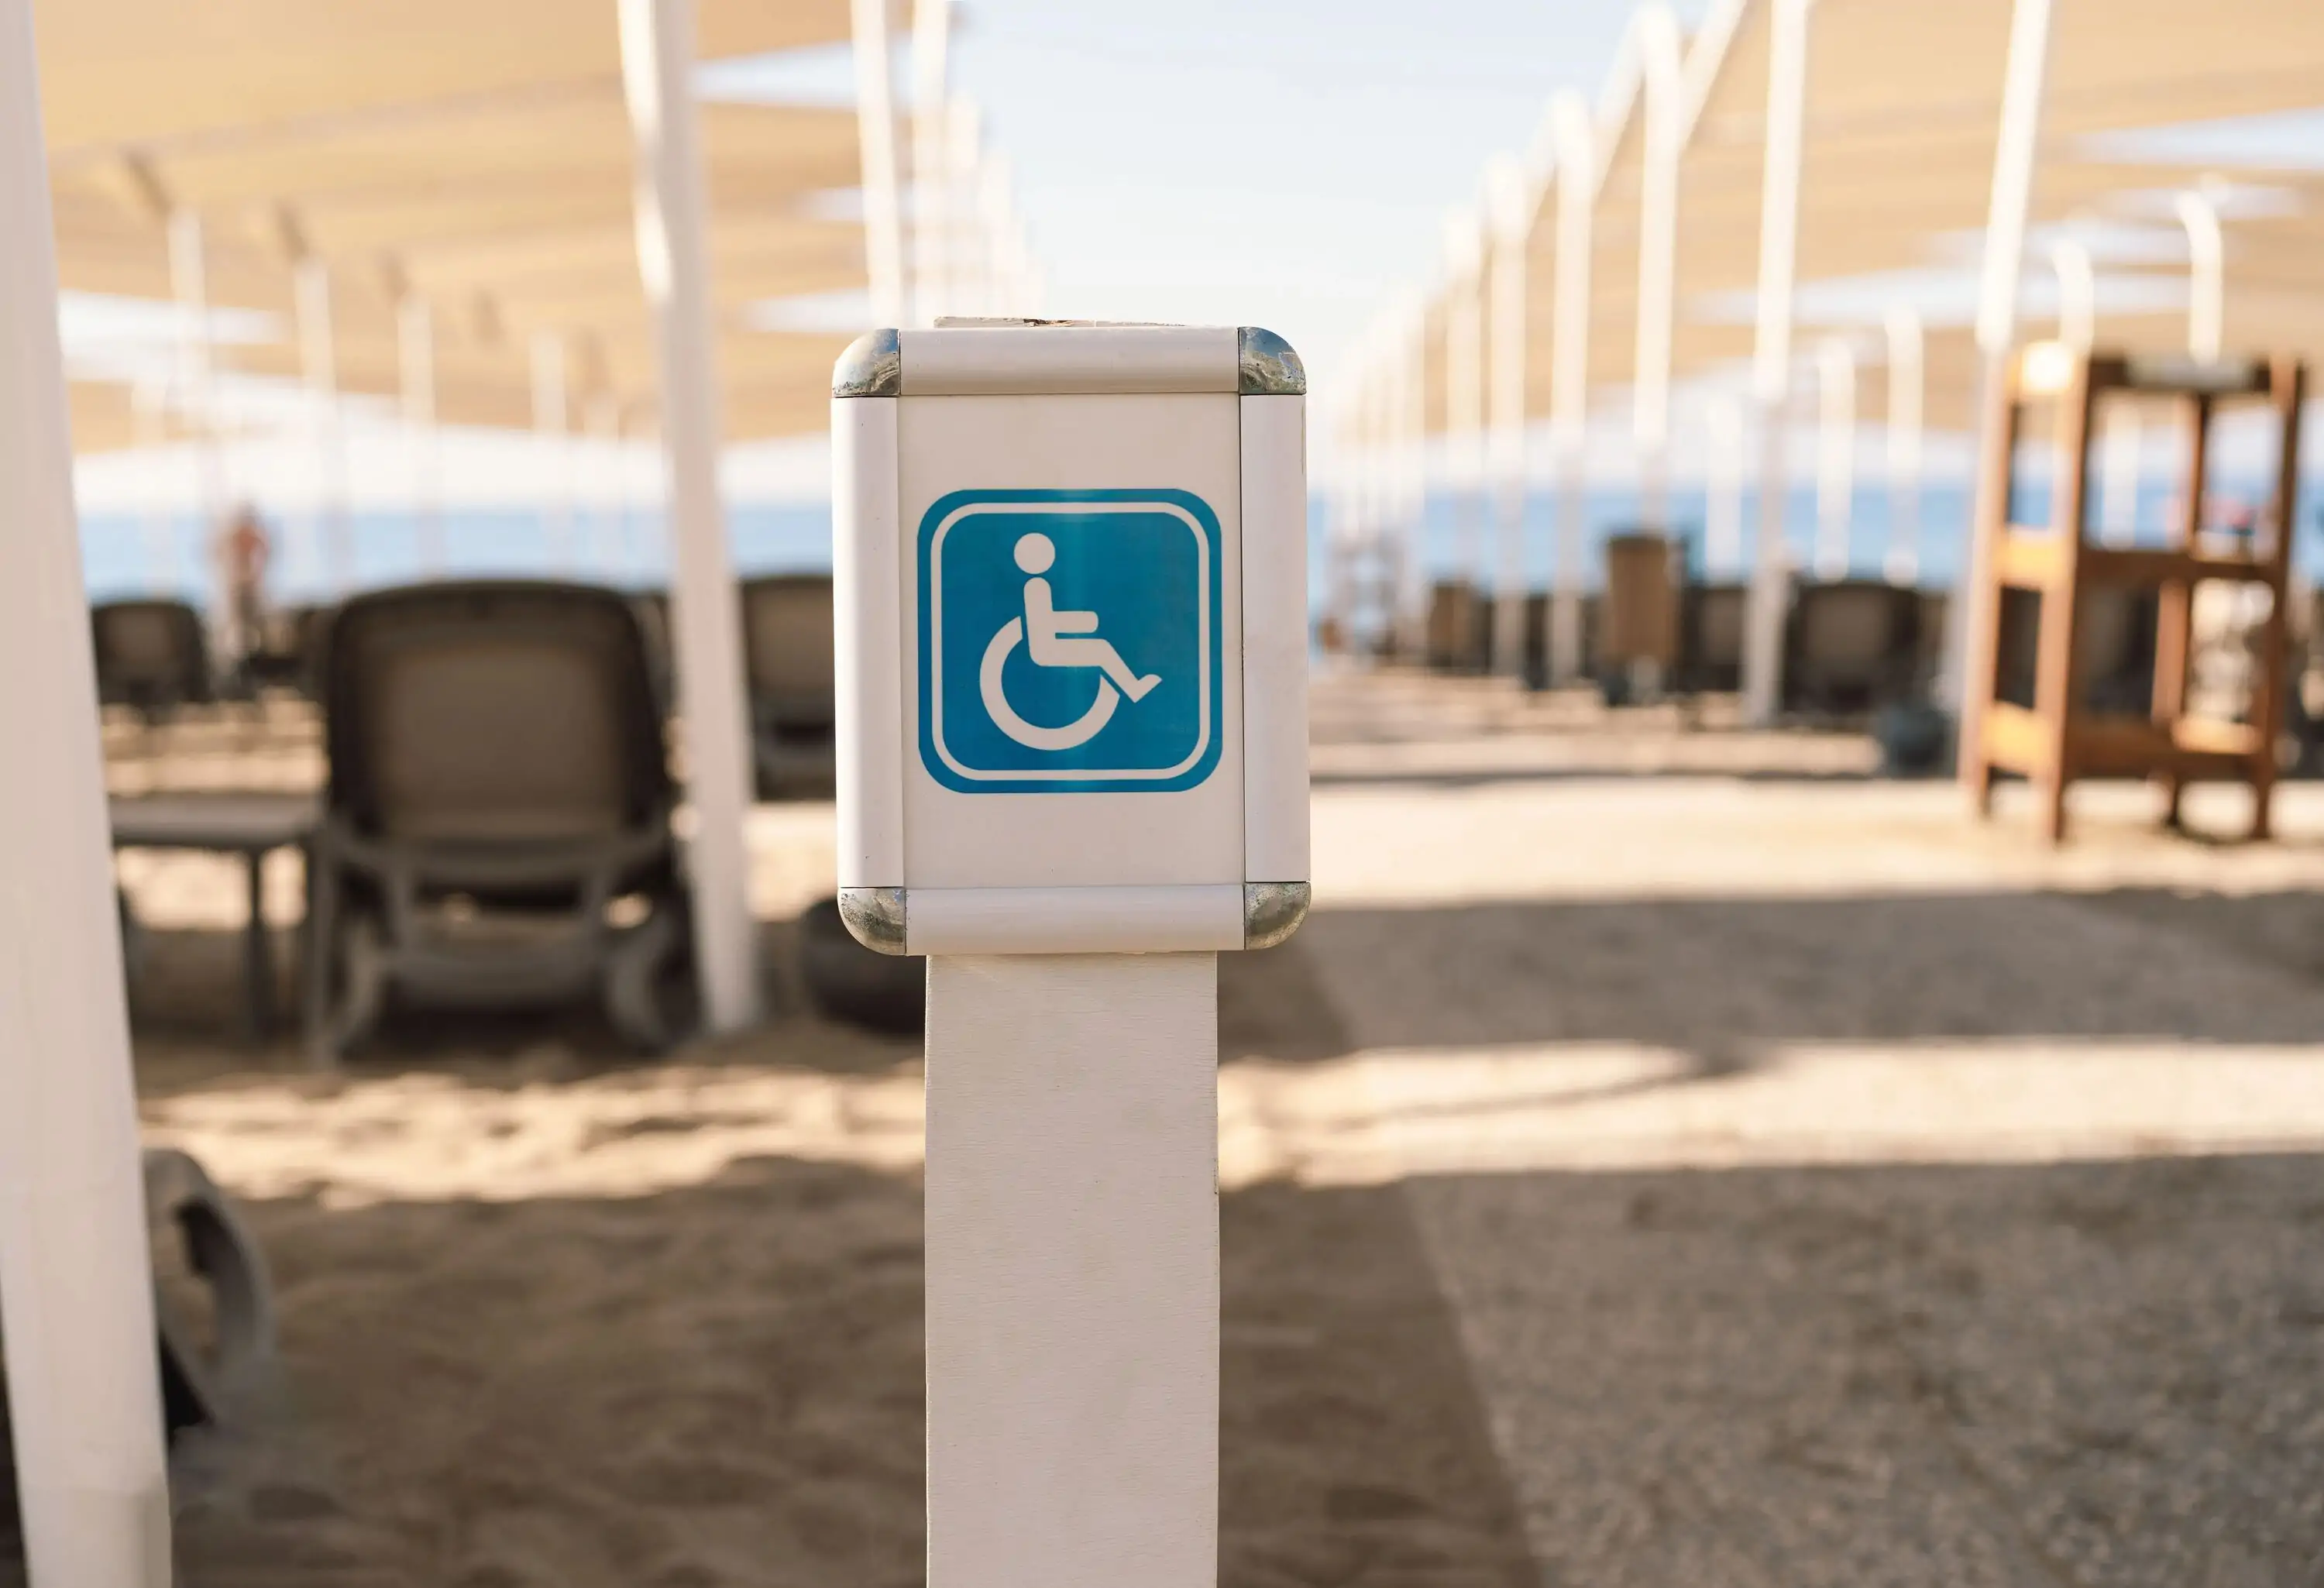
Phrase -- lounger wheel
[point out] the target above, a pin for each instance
(359, 955)
(648, 990)
(198, 1385)
(850, 982)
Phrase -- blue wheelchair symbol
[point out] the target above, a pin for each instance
(1069, 640)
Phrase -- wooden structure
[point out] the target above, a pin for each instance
(2057, 739)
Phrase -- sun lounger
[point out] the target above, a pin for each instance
(1712, 620)
(212, 1377)
(1637, 647)
(787, 647)
(1852, 645)
(151, 655)
(497, 828)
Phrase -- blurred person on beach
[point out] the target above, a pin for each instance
(244, 550)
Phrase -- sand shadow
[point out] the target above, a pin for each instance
(722, 1385)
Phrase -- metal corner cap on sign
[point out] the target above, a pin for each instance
(874, 916)
(872, 366)
(1272, 911)
(1070, 641)
(1268, 366)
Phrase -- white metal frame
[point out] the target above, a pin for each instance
(2016, 153)
(1779, 236)
(77, 1321)
(1575, 141)
(1466, 379)
(1509, 202)
(1907, 403)
(657, 71)
(415, 360)
(1661, 63)
(1835, 456)
(318, 358)
(875, 129)
(2207, 275)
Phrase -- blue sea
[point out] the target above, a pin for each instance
(125, 555)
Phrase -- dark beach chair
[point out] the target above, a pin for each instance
(2114, 649)
(652, 607)
(1851, 645)
(1458, 614)
(1712, 623)
(1637, 653)
(787, 649)
(497, 828)
(151, 655)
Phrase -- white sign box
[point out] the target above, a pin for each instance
(1072, 591)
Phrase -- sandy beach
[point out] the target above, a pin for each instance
(1668, 1156)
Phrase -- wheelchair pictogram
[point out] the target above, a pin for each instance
(1069, 640)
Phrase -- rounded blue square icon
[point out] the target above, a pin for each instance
(1069, 640)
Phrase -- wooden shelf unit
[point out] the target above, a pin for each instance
(2058, 740)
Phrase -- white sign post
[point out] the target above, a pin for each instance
(1073, 766)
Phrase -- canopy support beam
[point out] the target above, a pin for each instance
(657, 73)
(1575, 141)
(1465, 377)
(2207, 276)
(1511, 201)
(319, 356)
(1835, 457)
(415, 376)
(76, 1276)
(1771, 381)
(931, 172)
(1666, 140)
(1907, 406)
(552, 429)
(2023, 85)
(875, 116)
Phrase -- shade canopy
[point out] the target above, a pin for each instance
(1903, 110)
(490, 183)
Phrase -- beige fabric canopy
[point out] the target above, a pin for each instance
(153, 74)
(493, 183)
(1902, 120)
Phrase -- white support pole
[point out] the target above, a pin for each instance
(2207, 276)
(603, 417)
(1510, 199)
(1665, 121)
(1464, 396)
(673, 259)
(76, 1277)
(931, 170)
(197, 388)
(1907, 406)
(319, 356)
(552, 429)
(1722, 547)
(968, 266)
(2118, 473)
(415, 355)
(1835, 456)
(1412, 453)
(875, 125)
(1569, 374)
(2015, 151)
(149, 417)
(2078, 294)
(1072, 1270)
(1771, 373)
